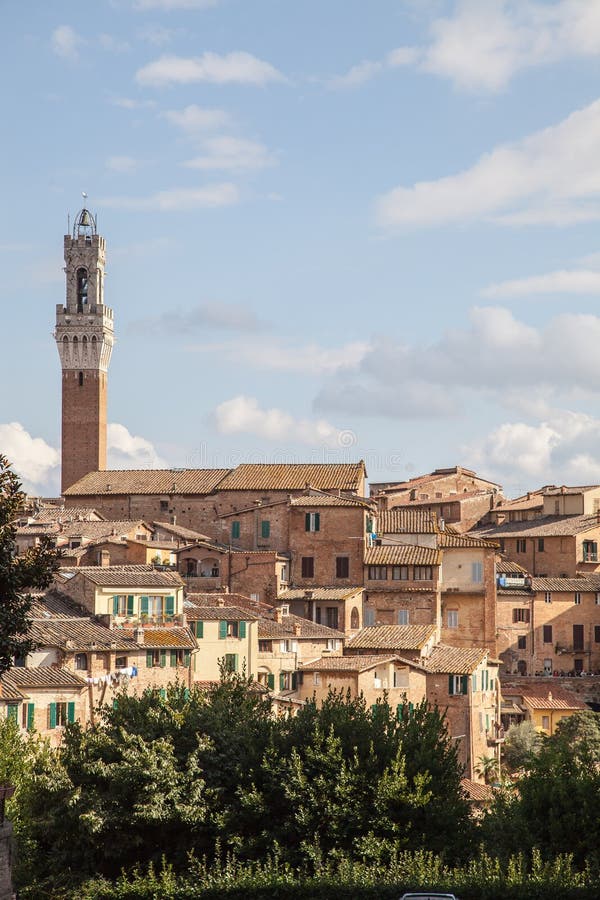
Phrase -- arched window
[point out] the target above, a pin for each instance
(354, 620)
(81, 379)
(82, 288)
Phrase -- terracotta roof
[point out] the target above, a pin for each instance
(402, 555)
(345, 663)
(508, 567)
(318, 593)
(55, 605)
(475, 791)
(78, 635)
(545, 526)
(50, 514)
(407, 521)
(180, 531)
(454, 660)
(205, 613)
(148, 481)
(128, 576)
(92, 530)
(45, 677)
(544, 696)
(258, 607)
(448, 540)
(512, 592)
(8, 689)
(535, 501)
(270, 628)
(330, 500)
(170, 638)
(576, 489)
(432, 477)
(392, 637)
(294, 477)
(585, 583)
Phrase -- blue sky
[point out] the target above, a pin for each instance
(335, 228)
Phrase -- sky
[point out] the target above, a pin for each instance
(336, 229)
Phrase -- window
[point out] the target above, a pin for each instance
(333, 644)
(308, 567)
(265, 646)
(156, 659)
(522, 642)
(82, 288)
(597, 634)
(122, 605)
(577, 598)
(521, 614)
(332, 617)
(283, 575)
(120, 662)
(28, 716)
(521, 545)
(423, 573)
(547, 597)
(577, 637)
(457, 684)
(288, 646)
(477, 572)
(312, 521)
(342, 567)
(164, 505)
(60, 714)
(546, 723)
(316, 678)
(152, 605)
(597, 600)
(403, 617)
(399, 573)
(590, 551)
(547, 634)
(368, 617)
(81, 662)
(354, 618)
(377, 573)
(540, 545)
(452, 618)
(265, 528)
(231, 662)
(235, 530)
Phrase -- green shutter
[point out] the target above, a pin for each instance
(186, 693)
(281, 681)
(115, 703)
(199, 629)
(235, 662)
(173, 658)
(163, 694)
(30, 716)
(170, 606)
(399, 710)
(222, 630)
(115, 606)
(149, 659)
(464, 684)
(13, 712)
(307, 522)
(242, 630)
(450, 684)
(187, 656)
(144, 606)
(374, 709)
(163, 658)
(235, 530)
(130, 605)
(52, 710)
(294, 681)
(411, 707)
(70, 712)
(369, 526)
(317, 521)
(271, 682)
(265, 528)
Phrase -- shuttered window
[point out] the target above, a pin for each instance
(199, 629)
(235, 530)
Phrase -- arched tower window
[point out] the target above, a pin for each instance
(81, 379)
(82, 288)
(354, 618)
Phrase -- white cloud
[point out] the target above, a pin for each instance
(130, 103)
(35, 462)
(276, 355)
(368, 68)
(66, 42)
(194, 118)
(112, 44)
(199, 319)
(128, 451)
(168, 5)
(243, 415)
(179, 199)
(554, 170)
(126, 165)
(494, 355)
(156, 34)
(233, 154)
(231, 68)
(563, 281)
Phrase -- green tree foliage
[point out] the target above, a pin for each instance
(580, 730)
(18, 574)
(522, 744)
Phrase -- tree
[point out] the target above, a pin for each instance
(18, 574)
(581, 729)
(521, 746)
(487, 768)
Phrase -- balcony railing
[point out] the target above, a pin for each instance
(590, 557)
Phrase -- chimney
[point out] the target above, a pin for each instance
(278, 614)
(220, 601)
(105, 558)
(529, 495)
(138, 635)
(563, 489)
(173, 520)
(297, 629)
(550, 696)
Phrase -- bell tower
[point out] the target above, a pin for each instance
(84, 337)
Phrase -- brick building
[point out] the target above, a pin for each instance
(340, 608)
